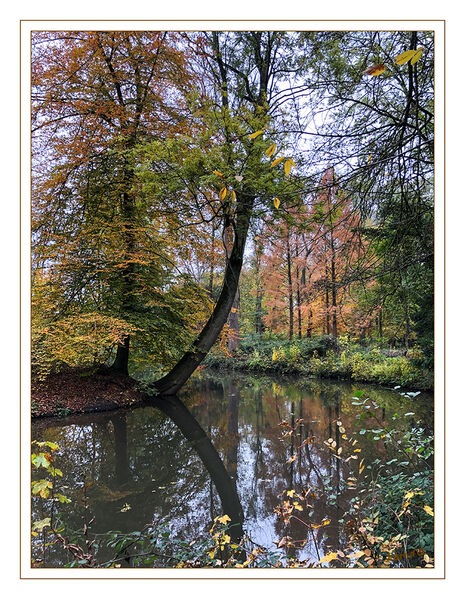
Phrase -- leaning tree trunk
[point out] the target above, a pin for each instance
(175, 379)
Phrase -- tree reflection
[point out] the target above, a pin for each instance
(222, 480)
(225, 454)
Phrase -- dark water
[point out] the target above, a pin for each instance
(221, 450)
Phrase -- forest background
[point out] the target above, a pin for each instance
(237, 188)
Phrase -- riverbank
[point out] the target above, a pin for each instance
(83, 391)
(323, 358)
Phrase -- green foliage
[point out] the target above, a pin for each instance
(327, 357)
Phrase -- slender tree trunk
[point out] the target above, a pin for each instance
(299, 308)
(175, 379)
(233, 322)
(310, 323)
(212, 262)
(258, 297)
(328, 330)
(334, 296)
(291, 294)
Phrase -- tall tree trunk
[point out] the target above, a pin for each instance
(233, 322)
(291, 294)
(258, 297)
(175, 379)
(233, 318)
(310, 323)
(212, 262)
(328, 330)
(299, 309)
(334, 296)
(121, 363)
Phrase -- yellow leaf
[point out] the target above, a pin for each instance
(233, 195)
(405, 56)
(277, 161)
(224, 519)
(271, 150)
(428, 510)
(256, 134)
(298, 506)
(376, 70)
(417, 56)
(223, 193)
(276, 202)
(369, 159)
(291, 493)
(218, 173)
(356, 555)
(328, 558)
(290, 460)
(287, 167)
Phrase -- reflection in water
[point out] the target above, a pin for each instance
(157, 464)
(224, 483)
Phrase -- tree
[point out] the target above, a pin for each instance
(96, 96)
(246, 67)
(378, 129)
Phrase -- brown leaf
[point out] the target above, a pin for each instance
(375, 70)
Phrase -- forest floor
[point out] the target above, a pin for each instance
(78, 391)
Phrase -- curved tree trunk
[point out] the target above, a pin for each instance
(175, 379)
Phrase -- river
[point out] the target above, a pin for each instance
(222, 448)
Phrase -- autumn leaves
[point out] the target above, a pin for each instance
(409, 55)
(269, 153)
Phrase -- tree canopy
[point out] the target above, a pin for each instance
(165, 161)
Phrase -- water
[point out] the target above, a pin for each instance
(223, 453)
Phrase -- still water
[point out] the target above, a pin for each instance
(220, 449)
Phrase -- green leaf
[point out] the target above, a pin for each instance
(42, 487)
(39, 460)
(62, 499)
(39, 525)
